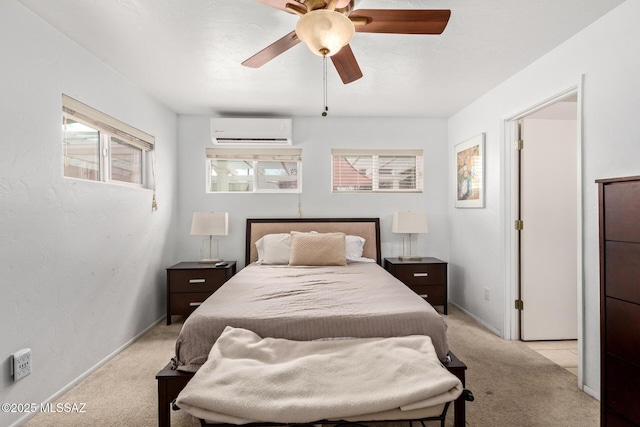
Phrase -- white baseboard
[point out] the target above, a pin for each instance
(591, 392)
(491, 328)
(88, 372)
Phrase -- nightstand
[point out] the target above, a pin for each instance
(190, 283)
(427, 277)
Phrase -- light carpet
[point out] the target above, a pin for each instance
(512, 384)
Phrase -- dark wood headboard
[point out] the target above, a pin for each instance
(368, 228)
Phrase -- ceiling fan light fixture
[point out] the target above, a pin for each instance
(325, 32)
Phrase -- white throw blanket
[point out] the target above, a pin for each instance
(250, 379)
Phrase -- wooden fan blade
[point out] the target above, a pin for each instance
(273, 50)
(296, 8)
(279, 4)
(346, 65)
(402, 21)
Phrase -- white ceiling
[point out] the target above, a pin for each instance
(187, 53)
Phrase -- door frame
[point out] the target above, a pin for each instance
(510, 213)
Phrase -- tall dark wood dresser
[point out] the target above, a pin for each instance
(619, 201)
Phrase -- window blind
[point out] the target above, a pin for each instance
(376, 170)
(91, 117)
(263, 154)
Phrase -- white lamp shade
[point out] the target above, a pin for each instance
(325, 32)
(210, 224)
(409, 222)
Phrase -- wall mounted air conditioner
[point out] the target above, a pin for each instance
(251, 131)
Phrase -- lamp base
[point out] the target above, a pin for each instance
(209, 261)
(410, 258)
(209, 253)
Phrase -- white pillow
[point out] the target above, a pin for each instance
(361, 259)
(353, 247)
(274, 248)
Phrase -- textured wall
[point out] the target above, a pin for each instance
(610, 147)
(81, 263)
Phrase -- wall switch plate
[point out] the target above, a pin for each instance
(21, 363)
(486, 294)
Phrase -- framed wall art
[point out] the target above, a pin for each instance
(469, 158)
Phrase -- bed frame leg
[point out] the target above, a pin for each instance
(164, 416)
(458, 368)
(170, 384)
(459, 412)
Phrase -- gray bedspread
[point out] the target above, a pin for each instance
(360, 300)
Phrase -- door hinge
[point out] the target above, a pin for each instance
(519, 144)
(519, 304)
(519, 224)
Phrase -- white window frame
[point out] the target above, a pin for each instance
(107, 127)
(254, 156)
(375, 174)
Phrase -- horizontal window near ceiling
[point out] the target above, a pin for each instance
(97, 147)
(254, 170)
(376, 171)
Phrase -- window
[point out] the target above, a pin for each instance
(254, 170)
(368, 171)
(98, 147)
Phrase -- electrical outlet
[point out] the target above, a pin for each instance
(486, 294)
(21, 363)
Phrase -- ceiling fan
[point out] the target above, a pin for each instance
(327, 27)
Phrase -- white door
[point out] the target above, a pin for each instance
(548, 241)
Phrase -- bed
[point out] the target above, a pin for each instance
(351, 297)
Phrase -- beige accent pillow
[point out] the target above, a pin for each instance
(317, 249)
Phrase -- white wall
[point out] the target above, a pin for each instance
(81, 263)
(316, 137)
(604, 53)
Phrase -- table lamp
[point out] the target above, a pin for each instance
(210, 224)
(409, 223)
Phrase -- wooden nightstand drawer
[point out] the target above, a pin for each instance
(196, 280)
(185, 302)
(425, 276)
(422, 274)
(190, 283)
(435, 295)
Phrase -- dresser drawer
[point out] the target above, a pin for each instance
(623, 270)
(203, 280)
(623, 211)
(614, 420)
(185, 302)
(622, 379)
(622, 320)
(422, 274)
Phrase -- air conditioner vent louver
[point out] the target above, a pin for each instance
(251, 131)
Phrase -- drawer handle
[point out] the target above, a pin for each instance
(420, 274)
(195, 304)
(197, 280)
(423, 295)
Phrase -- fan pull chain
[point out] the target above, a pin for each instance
(324, 82)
